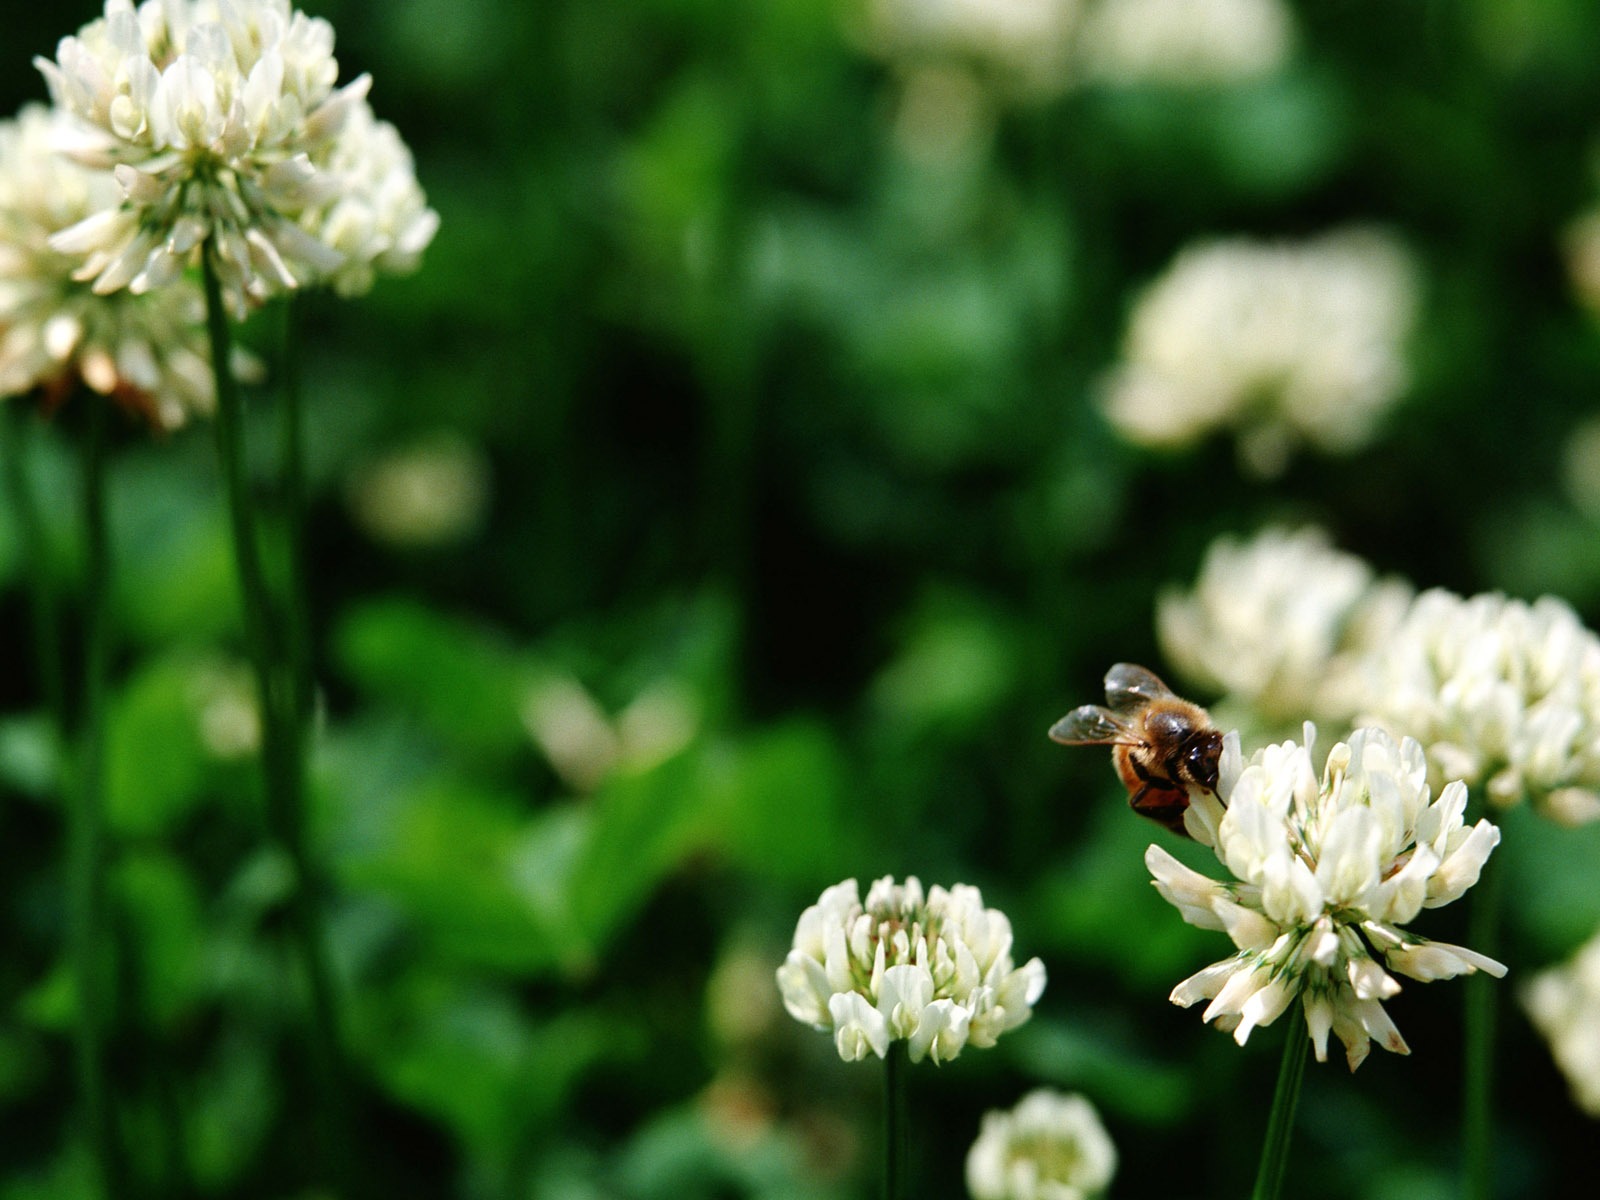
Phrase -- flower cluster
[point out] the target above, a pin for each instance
(146, 353)
(220, 121)
(1327, 874)
(378, 220)
(1280, 623)
(1564, 1005)
(933, 970)
(1499, 692)
(1282, 343)
(1049, 1147)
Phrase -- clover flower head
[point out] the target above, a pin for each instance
(1501, 693)
(1279, 623)
(1563, 1003)
(931, 969)
(1051, 1146)
(147, 353)
(1185, 42)
(378, 219)
(1326, 874)
(214, 116)
(1282, 343)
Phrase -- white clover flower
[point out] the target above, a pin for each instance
(1327, 872)
(1501, 693)
(932, 970)
(147, 353)
(1281, 343)
(1564, 1005)
(1051, 1146)
(1185, 42)
(379, 219)
(219, 118)
(1279, 622)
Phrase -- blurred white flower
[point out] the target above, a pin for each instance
(1020, 45)
(1279, 622)
(1049, 1147)
(1501, 693)
(149, 354)
(1327, 874)
(220, 120)
(1564, 1005)
(431, 493)
(1580, 463)
(1185, 42)
(1581, 246)
(585, 746)
(933, 970)
(226, 712)
(1281, 343)
(574, 732)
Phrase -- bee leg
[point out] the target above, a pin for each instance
(1163, 804)
(1143, 773)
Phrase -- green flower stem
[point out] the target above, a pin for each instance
(1280, 1124)
(92, 970)
(1477, 1113)
(282, 732)
(895, 1186)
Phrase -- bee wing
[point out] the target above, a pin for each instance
(1091, 725)
(1130, 687)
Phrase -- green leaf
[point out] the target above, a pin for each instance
(451, 861)
(640, 827)
(156, 763)
(462, 681)
(776, 801)
(162, 907)
(225, 1133)
(474, 1058)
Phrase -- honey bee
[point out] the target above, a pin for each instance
(1162, 745)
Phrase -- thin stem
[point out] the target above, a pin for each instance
(1477, 1113)
(895, 1185)
(86, 823)
(282, 735)
(1280, 1124)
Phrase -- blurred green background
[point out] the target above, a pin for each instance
(722, 511)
